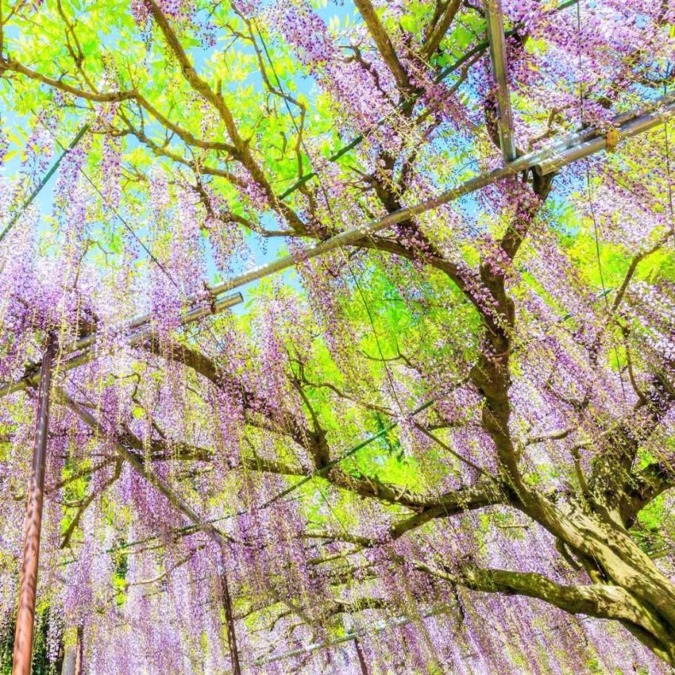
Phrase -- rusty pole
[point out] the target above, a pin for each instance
(25, 620)
(79, 654)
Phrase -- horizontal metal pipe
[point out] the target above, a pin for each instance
(629, 124)
(87, 344)
(376, 627)
(191, 315)
(523, 163)
(626, 125)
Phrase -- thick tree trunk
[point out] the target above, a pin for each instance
(613, 559)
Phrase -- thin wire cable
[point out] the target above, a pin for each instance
(605, 292)
(147, 250)
(44, 181)
(330, 210)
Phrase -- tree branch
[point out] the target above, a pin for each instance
(383, 42)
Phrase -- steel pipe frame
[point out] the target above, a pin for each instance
(574, 148)
(377, 627)
(549, 159)
(584, 145)
(546, 161)
(25, 621)
(497, 41)
(144, 332)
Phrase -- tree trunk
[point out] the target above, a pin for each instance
(612, 558)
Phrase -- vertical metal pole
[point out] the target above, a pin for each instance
(25, 621)
(79, 654)
(74, 656)
(361, 655)
(229, 614)
(495, 35)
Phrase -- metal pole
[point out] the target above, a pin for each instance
(347, 237)
(361, 655)
(229, 614)
(74, 656)
(585, 147)
(481, 46)
(143, 329)
(25, 621)
(79, 654)
(545, 160)
(497, 42)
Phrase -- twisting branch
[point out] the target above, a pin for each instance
(68, 534)
(602, 601)
(383, 42)
(123, 448)
(440, 28)
(216, 99)
(632, 268)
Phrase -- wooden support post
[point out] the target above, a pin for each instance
(79, 655)
(25, 621)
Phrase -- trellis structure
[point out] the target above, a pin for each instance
(219, 298)
(543, 162)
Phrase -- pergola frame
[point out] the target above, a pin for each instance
(544, 162)
(494, 18)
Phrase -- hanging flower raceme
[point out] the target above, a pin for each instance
(351, 84)
(4, 146)
(386, 448)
